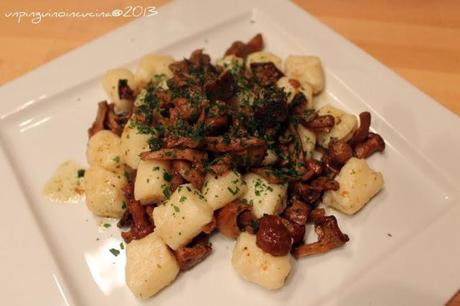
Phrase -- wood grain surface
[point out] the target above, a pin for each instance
(418, 39)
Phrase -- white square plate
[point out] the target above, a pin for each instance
(404, 246)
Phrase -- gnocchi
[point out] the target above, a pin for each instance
(257, 266)
(104, 196)
(264, 57)
(270, 159)
(104, 150)
(153, 68)
(111, 82)
(345, 125)
(263, 197)
(306, 69)
(181, 217)
(307, 139)
(140, 99)
(133, 143)
(307, 91)
(358, 184)
(150, 266)
(221, 190)
(288, 87)
(292, 87)
(230, 62)
(152, 179)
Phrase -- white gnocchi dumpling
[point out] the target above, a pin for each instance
(257, 266)
(345, 125)
(153, 68)
(307, 91)
(140, 98)
(264, 57)
(181, 217)
(110, 84)
(291, 89)
(104, 150)
(133, 144)
(307, 70)
(150, 266)
(358, 184)
(152, 179)
(263, 197)
(104, 196)
(230, 62)
(221, 190)
(307, 139)
(270, 158)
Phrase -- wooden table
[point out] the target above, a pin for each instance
(419, 39)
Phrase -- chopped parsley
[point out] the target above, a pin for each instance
(81, 173)
(234, 192)
(167, 176)
(159, 78)
(114, 252)
(255, 225)
(166, 191)
(122, 246)
(149, 106)
(184, 129)
(171, 154)
(116, 159)
(107, 225)
(199, 194)
(155, 143)
(226, 138)
(142, 128)
(182, 199)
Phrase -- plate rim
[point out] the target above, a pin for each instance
(13, 95)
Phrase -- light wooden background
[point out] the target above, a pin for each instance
(419, 39)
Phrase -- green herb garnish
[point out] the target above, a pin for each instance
(167, 176)
(114, 252)
(81, 173)
(155, 143)
(234, 192)
(166, 191)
